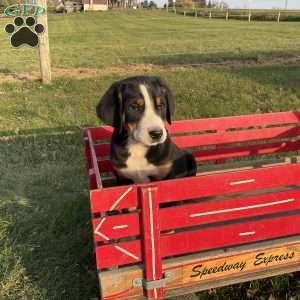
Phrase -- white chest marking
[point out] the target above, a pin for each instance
(138, 168)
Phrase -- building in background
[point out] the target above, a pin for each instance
(188, 3)
(95, 5)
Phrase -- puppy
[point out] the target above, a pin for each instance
(141, 148)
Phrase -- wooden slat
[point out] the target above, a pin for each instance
(115, 198)
(200, 186)
(219, 124)
(231, 182)
(235, 136)
(227, 152)
(245, 165)
(202, 240)
(109, 256)
(216, 154)
(229, 209)
(115, 227)
(110, 180)
(125, 225)
(117, 284)
(248, 150)
(235, 234)
(243, 121)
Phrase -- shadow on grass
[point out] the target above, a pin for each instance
(44, 206)
(235, 57)
(279, 76)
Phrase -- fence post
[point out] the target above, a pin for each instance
(44, 50)
(227, 15)
(210, 16)
(249, 17)
(278, 18)
(151, 241)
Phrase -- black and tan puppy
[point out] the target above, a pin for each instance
(141, 148)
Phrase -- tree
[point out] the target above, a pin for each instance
(144, 4)
(152, 4)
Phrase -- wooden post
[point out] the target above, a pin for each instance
(210, 16)
(249, 17)
(44, 50)
(278, 18)
(184, 12)
(227, 16)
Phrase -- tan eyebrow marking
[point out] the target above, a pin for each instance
(140, 102)
(158, 100)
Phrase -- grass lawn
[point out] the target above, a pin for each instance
(46, 250)
(105, 39)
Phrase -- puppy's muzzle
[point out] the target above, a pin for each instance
(155, 134)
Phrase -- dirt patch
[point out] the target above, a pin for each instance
(134, 69)
(81, 73)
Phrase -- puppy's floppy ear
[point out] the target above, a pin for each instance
(110, 107)
(169, 97)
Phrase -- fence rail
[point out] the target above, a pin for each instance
(238, 14)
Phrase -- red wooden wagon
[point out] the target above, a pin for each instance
(237, 220)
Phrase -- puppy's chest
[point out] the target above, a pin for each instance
(138, 167)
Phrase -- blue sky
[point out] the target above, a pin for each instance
(292, 4)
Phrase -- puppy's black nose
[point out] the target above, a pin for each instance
(156, 134)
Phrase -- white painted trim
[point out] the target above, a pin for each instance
(120, 198)
(98, 227)
(240, 208)
(103, 236)
(247, 233)
(116, 227)
(120, 227)
(127, 252)
(242, 182)
(152, 239)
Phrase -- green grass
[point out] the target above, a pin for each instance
(106, 39)
(46, 249)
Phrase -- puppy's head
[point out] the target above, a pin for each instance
(139, 105)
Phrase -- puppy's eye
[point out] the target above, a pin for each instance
(160, 106)
(135, 106)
